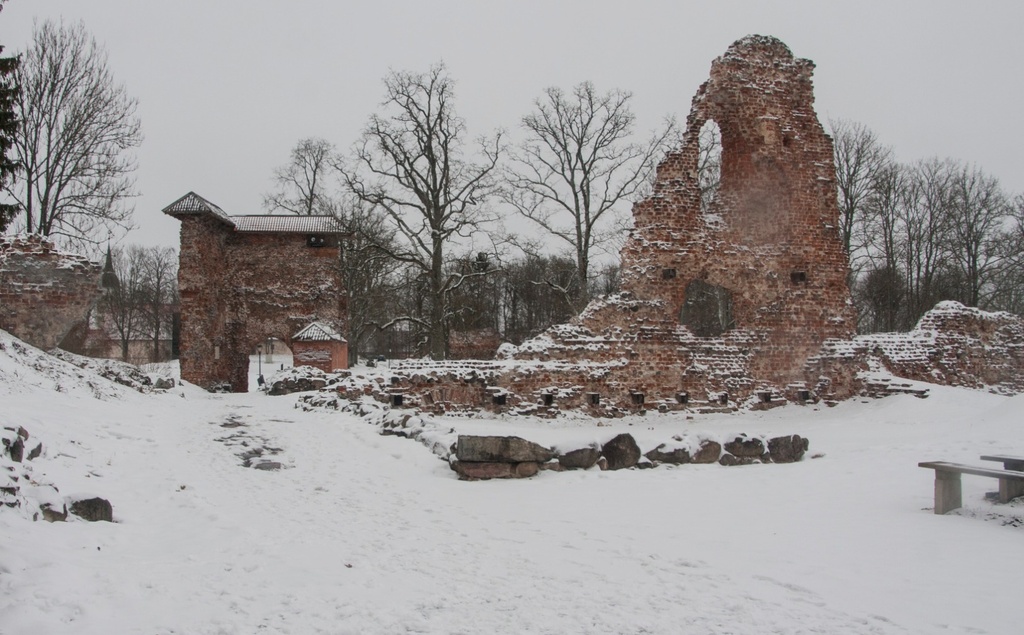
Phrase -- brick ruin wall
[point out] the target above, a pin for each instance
(45, 294)
(238, 289)
(770, 241)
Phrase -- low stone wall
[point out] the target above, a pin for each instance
(474, 457)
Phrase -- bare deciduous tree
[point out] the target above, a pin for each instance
(858, 157)
(159, 292)
(978, 213)
(577, 166)
(123, 306)
(303, 182)
(371, 275)
(411, 164)
(78, 128)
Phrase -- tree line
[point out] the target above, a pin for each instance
(507, 232)
(922, 232)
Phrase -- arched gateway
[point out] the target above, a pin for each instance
(243, 279)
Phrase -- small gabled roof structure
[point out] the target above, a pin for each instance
(318, 332)
(194, 205)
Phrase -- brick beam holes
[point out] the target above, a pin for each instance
(707, 309)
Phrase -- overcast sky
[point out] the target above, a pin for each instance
(226, 88)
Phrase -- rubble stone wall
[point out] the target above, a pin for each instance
(45, 293)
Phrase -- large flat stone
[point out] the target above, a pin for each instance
(493, 449)
(482, 470)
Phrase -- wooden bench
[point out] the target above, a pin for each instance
(948, 492)
(1009, 462)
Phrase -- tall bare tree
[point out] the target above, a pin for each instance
(371, 275)
(159, 293)
(979, 210)
(410, 163)
(578, 166)
(303, 184)
(78, 128)
(859, 156)
(123, 306)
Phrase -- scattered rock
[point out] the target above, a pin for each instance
(493, 449)
(581, 459)
(484, 470)
(662, 454)
(35, 452)
(93, 509)
(16, 449)
(730, 459)
(708, 453)
(787, 449)
(621, 452)
(163, 383)
(746, 447)
(268, 465)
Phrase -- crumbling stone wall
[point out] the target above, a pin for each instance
(767, 245)
(45, 293)
(240, 288)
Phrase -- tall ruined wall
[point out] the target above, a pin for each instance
(204, 287)
(278, 286)
(238, 289)
(734, 297)
(44, 292)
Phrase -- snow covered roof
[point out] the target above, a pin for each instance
(318, 332)
(193, 205)
(287, 224)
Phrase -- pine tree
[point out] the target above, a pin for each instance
(8, 129)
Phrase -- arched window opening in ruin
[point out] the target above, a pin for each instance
(266, 358)
(707, 309)
(709, 163)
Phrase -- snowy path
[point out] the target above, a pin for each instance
(368, 534)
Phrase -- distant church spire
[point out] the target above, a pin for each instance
(109, 280)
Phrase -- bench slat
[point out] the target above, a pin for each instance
(1009, 462)
(946, 466)
(1001, 457)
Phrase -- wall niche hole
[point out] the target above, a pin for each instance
(668, 274)
(707, 309)
(798, 277)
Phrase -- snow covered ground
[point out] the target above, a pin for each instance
(361, 533)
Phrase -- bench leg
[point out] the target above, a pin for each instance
(1008, 490)
(948, 492)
